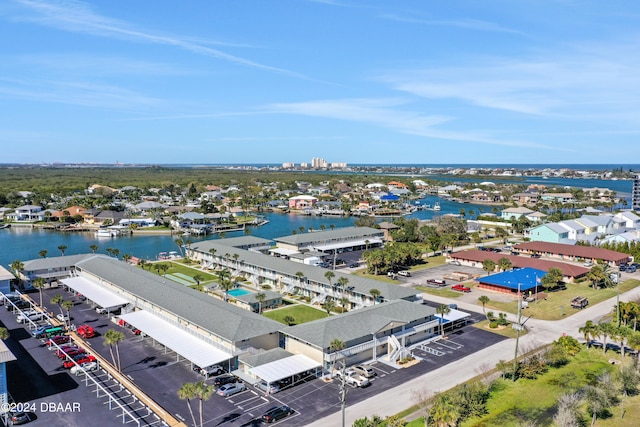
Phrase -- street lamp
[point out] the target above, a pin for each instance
(515, 357)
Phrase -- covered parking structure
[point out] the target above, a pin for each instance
(453, 319)
(96, 293)
(287, 369)
(195, 350)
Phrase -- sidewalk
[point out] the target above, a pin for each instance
(541, 332)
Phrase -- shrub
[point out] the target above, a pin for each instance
(265, 287)
(493, 324)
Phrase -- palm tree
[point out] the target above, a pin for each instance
(94, 248)
(235, 258)
(58, 300)
(328, 305)
(261, 297)
(180, 244)
(289, 320)
(596, 276)
(224, 280)
(488, 265)
(142, 263)
(589, 331)
(442, 310)
(62, 248)
(4, 334)
(329, 275)
(483, 299)
(109, 251)
(17, 266)
(213, 251)
(203, 393)
(443, 413)
(67, 305)
(126, 257)
(39, 283)
(112, 338)
(198, 278)
(43, 253)
(334, 347)
(116, 252)
(504, 264)
(342, 284)
(375, 294)
(605, 331)
(164, 268)
(187, 392)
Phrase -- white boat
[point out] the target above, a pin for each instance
(106, 232)
(436, 207)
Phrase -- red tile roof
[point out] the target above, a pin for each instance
(573, 250)
(521, 262)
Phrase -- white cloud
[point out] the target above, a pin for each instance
(75, 16)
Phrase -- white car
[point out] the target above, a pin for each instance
(354, 379)
(29, 315)
(230, 389)
(88, 367)
(62, 317)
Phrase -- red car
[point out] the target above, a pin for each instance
(60, 339)
(80, 359)
(86, 331)
(461, 288)
(70, 353)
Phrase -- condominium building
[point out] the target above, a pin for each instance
(635, 195)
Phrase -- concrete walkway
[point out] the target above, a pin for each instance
(392, 401)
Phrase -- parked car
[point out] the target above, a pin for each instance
(588, 264)
(79, 359)
(70, 352)
(231, 389)
(631, 269)
(623, 267)
(579, 302)
(18, 418)
(86, 331)
(365, 371)
(211, 371)
(18, 304)
(268, 388)
(405, 273)
(460, 288)
(223, 379)
(63, 317)
(352, 378)
(354, 265)
(85, 367)
(30, 315)
(276, 413)
(60, 339)
(536, 256)
(39, 331)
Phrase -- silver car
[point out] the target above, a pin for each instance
(364, 370)
(230, 389)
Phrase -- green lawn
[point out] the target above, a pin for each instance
(507, 331)
(558, 304)
(508, 407)
(301, 313)
(181, 268)
(445, 291)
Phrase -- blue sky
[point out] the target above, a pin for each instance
(258, 81)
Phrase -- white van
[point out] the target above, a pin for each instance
(405, 273)
(30, 315)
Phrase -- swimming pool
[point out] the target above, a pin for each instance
(238, 292)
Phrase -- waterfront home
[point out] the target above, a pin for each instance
(302, 201)
(515, 213)
(26, 213)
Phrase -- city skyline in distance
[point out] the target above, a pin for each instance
(356, 82)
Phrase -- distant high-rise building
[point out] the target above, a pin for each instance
(338, 165)
(318, 162)
(288, 165)
(635, 195)
(304, 165)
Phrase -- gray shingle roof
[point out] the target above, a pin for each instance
(241, 241)
(55, 262)
(221, 318)
(361, 284)
(323, 236)
(360, 323)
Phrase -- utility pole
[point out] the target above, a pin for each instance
(515, 357)
(343, 392)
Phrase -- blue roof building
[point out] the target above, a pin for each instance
(528, 279)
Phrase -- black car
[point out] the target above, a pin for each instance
(276, 413)
(17, 418)
(224, 379)
(19, 304)
(536, 255)
(623, 267)
(354, 265)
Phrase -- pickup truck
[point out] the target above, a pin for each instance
(354, 379)
(460, 288)
(436, 283)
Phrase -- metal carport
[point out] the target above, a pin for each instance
(195, 350)
(95, 292)
(285, 368)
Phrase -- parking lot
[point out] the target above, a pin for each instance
(160, 373)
